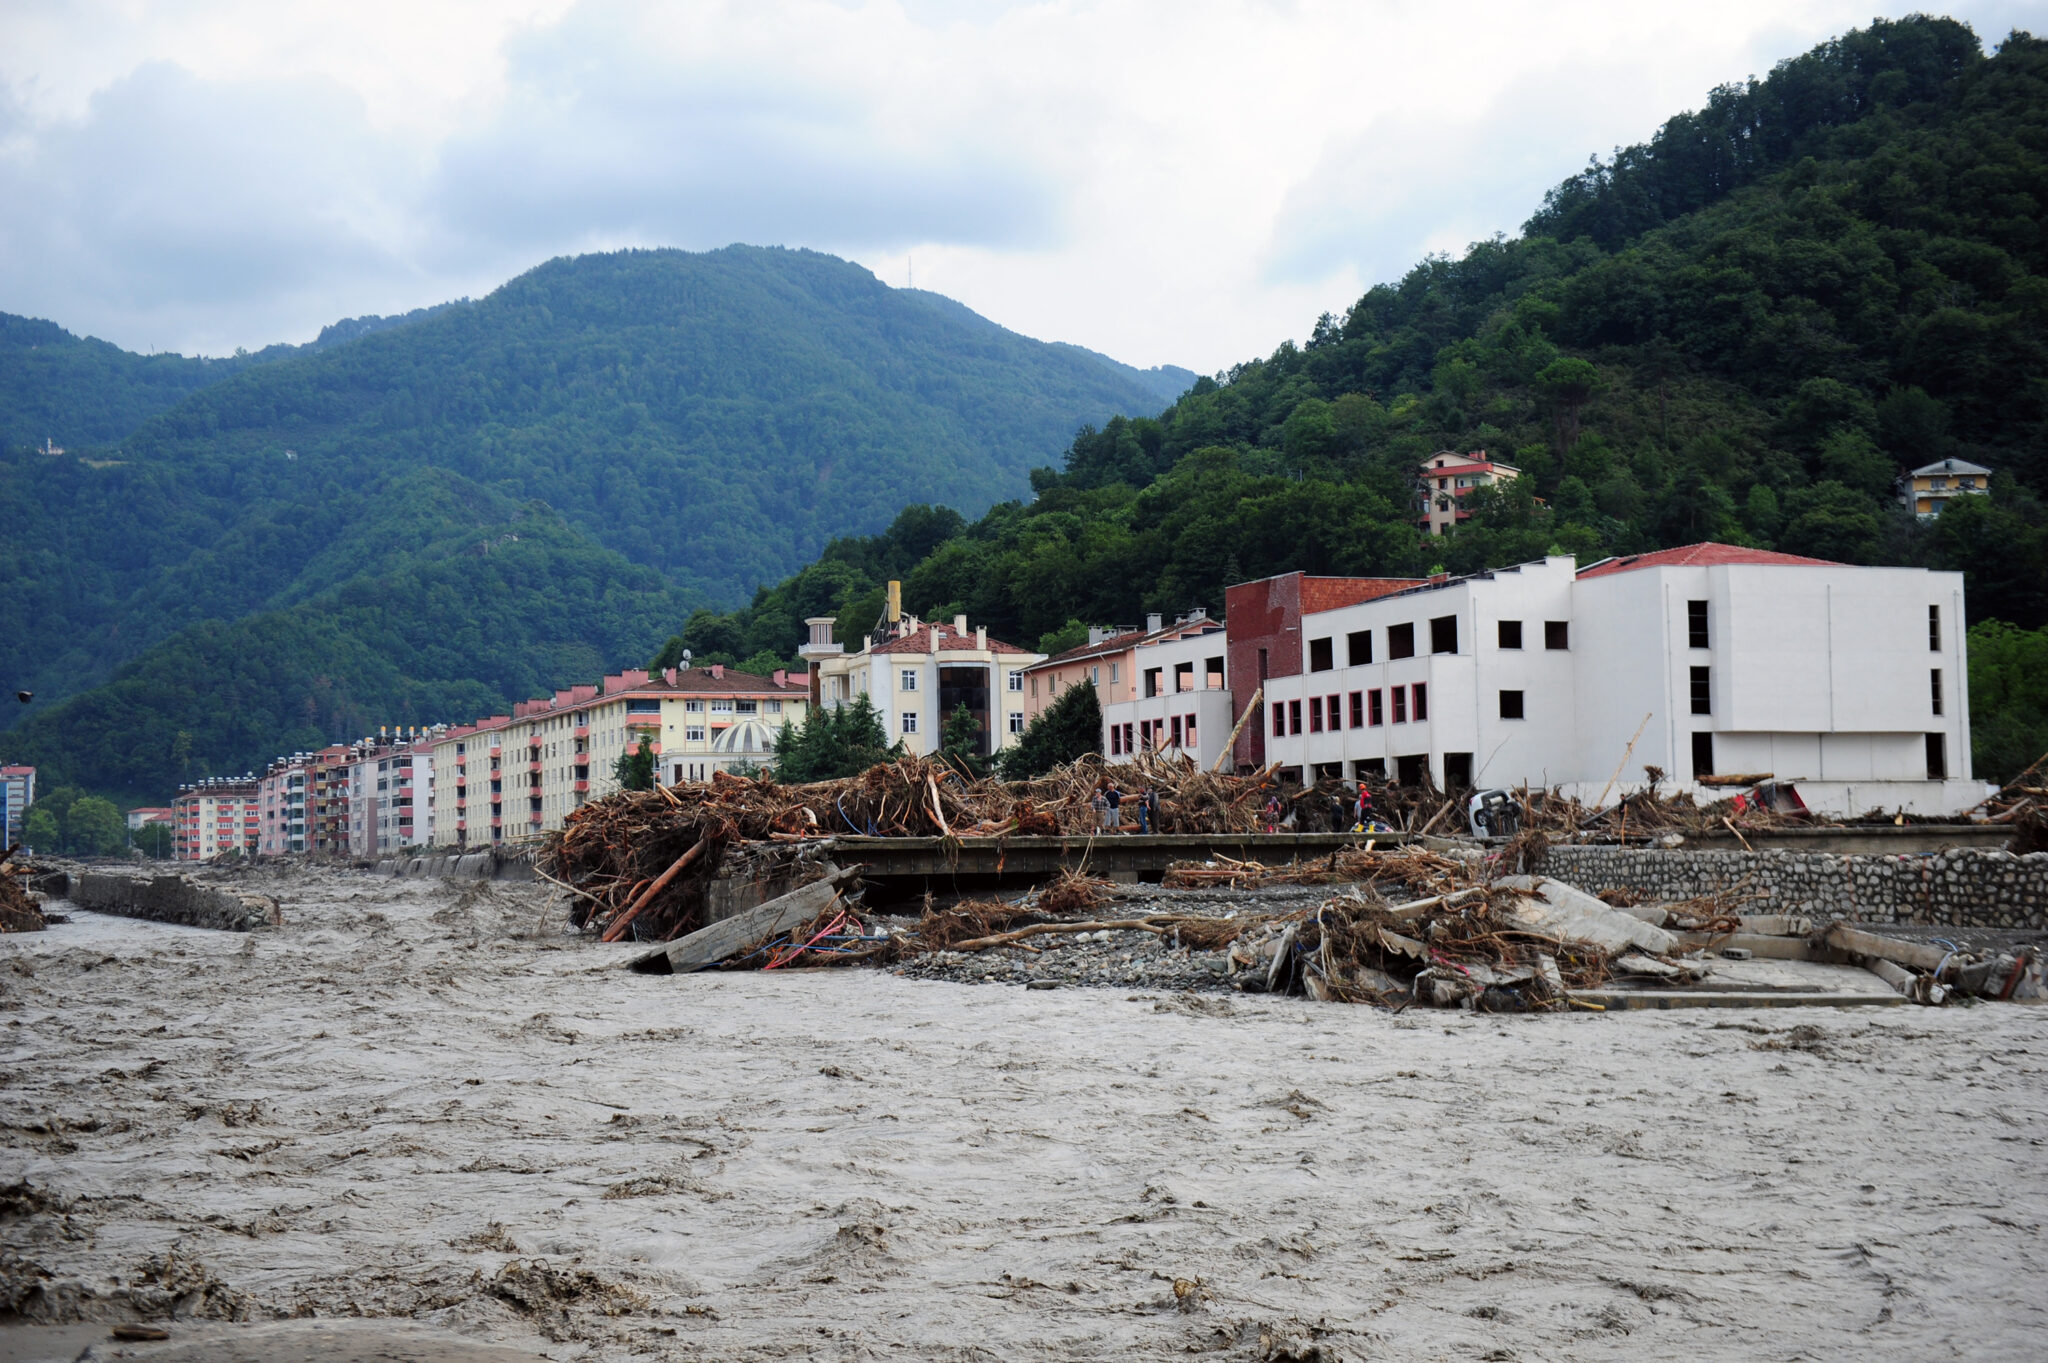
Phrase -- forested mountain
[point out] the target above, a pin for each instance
(1741, 330)
(716, 417)
(478, 600)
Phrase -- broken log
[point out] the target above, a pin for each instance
(623, 921)
(728, 937)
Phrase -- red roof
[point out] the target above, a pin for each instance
(919, 640)
(1707, 555)
(1115, 643)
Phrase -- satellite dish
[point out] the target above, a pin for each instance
(686, 659)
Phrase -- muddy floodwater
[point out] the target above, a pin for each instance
(419, 1108)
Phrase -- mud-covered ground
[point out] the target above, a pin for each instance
(422, 1100)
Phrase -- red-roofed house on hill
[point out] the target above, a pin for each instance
(916, 673)
(1444, 481)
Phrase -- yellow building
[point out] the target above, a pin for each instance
(1929, 487)
(1446, 478)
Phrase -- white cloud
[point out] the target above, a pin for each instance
(1171, 182)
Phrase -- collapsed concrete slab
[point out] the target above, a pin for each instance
(174, 899)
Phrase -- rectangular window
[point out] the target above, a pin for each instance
(1279, 720)
(1400, 641)
(721, 707)
(1127, 739)
(1112, 674)
(1443, 634)
(1457, 771)
(1095, 676)
(1557, 634)
(907, 680)
(1400, 695)
(1016, 721)
(694, 734)
(1333, 707)
(750, 707)
(1376, 716)
(1937, 757)
(1702, 694)
(1358, 709)
(1116, 740)
(1511, 705)
(910, 721)
(1152, 675)
(1420, 704)
(1358, 648)
(1696, 624)
(1315, 714)
(1702, 755)
(1934, 685)
(1188, 731)
(1321, 657)
(1934, 629)
(1174, 732)
(773, 707)
(1017, 682)
(1510, 633)
(1294, 716)
(694, 707)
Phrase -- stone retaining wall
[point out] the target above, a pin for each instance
(1958, 888)
(173, 899)
(489, 864)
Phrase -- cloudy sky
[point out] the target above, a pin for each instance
(1180, 181)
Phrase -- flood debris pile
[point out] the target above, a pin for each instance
(19, 912)
(638, 863)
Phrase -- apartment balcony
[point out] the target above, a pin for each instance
(534, 766)
(461, 825)
(582, 731)
(461, 804)
(533, 740)
(582, 785)
(643, 721)
(534, 820)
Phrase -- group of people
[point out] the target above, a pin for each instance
(1348, 814)
(1111, 804)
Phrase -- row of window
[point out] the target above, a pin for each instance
(1151, 735)
(1015, 720)
(1443, 638)
(1367, 710)
(906, 680)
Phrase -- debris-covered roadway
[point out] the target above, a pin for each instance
(424, 1100)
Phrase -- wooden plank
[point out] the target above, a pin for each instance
(708, 946)
(1631, 1000)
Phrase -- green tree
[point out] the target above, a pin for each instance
(1069, 728)
(635, 769)
(833, 742)
(2008, 698)
(960, 742)
(94, 828)
(40, 830)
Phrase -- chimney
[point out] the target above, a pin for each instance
(932, 640)
(669, 675)
(1096, 634)
(895, 601)
(981, 637)
(959, 624)
(1154, 623)
(782, 676)
(717, 671)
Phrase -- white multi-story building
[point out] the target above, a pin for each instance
(390, 794)
(1180, 695)
(1710, 660)
(281, 799)
(917, 674)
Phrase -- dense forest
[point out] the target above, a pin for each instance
(715, 417)
(1741, 330)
